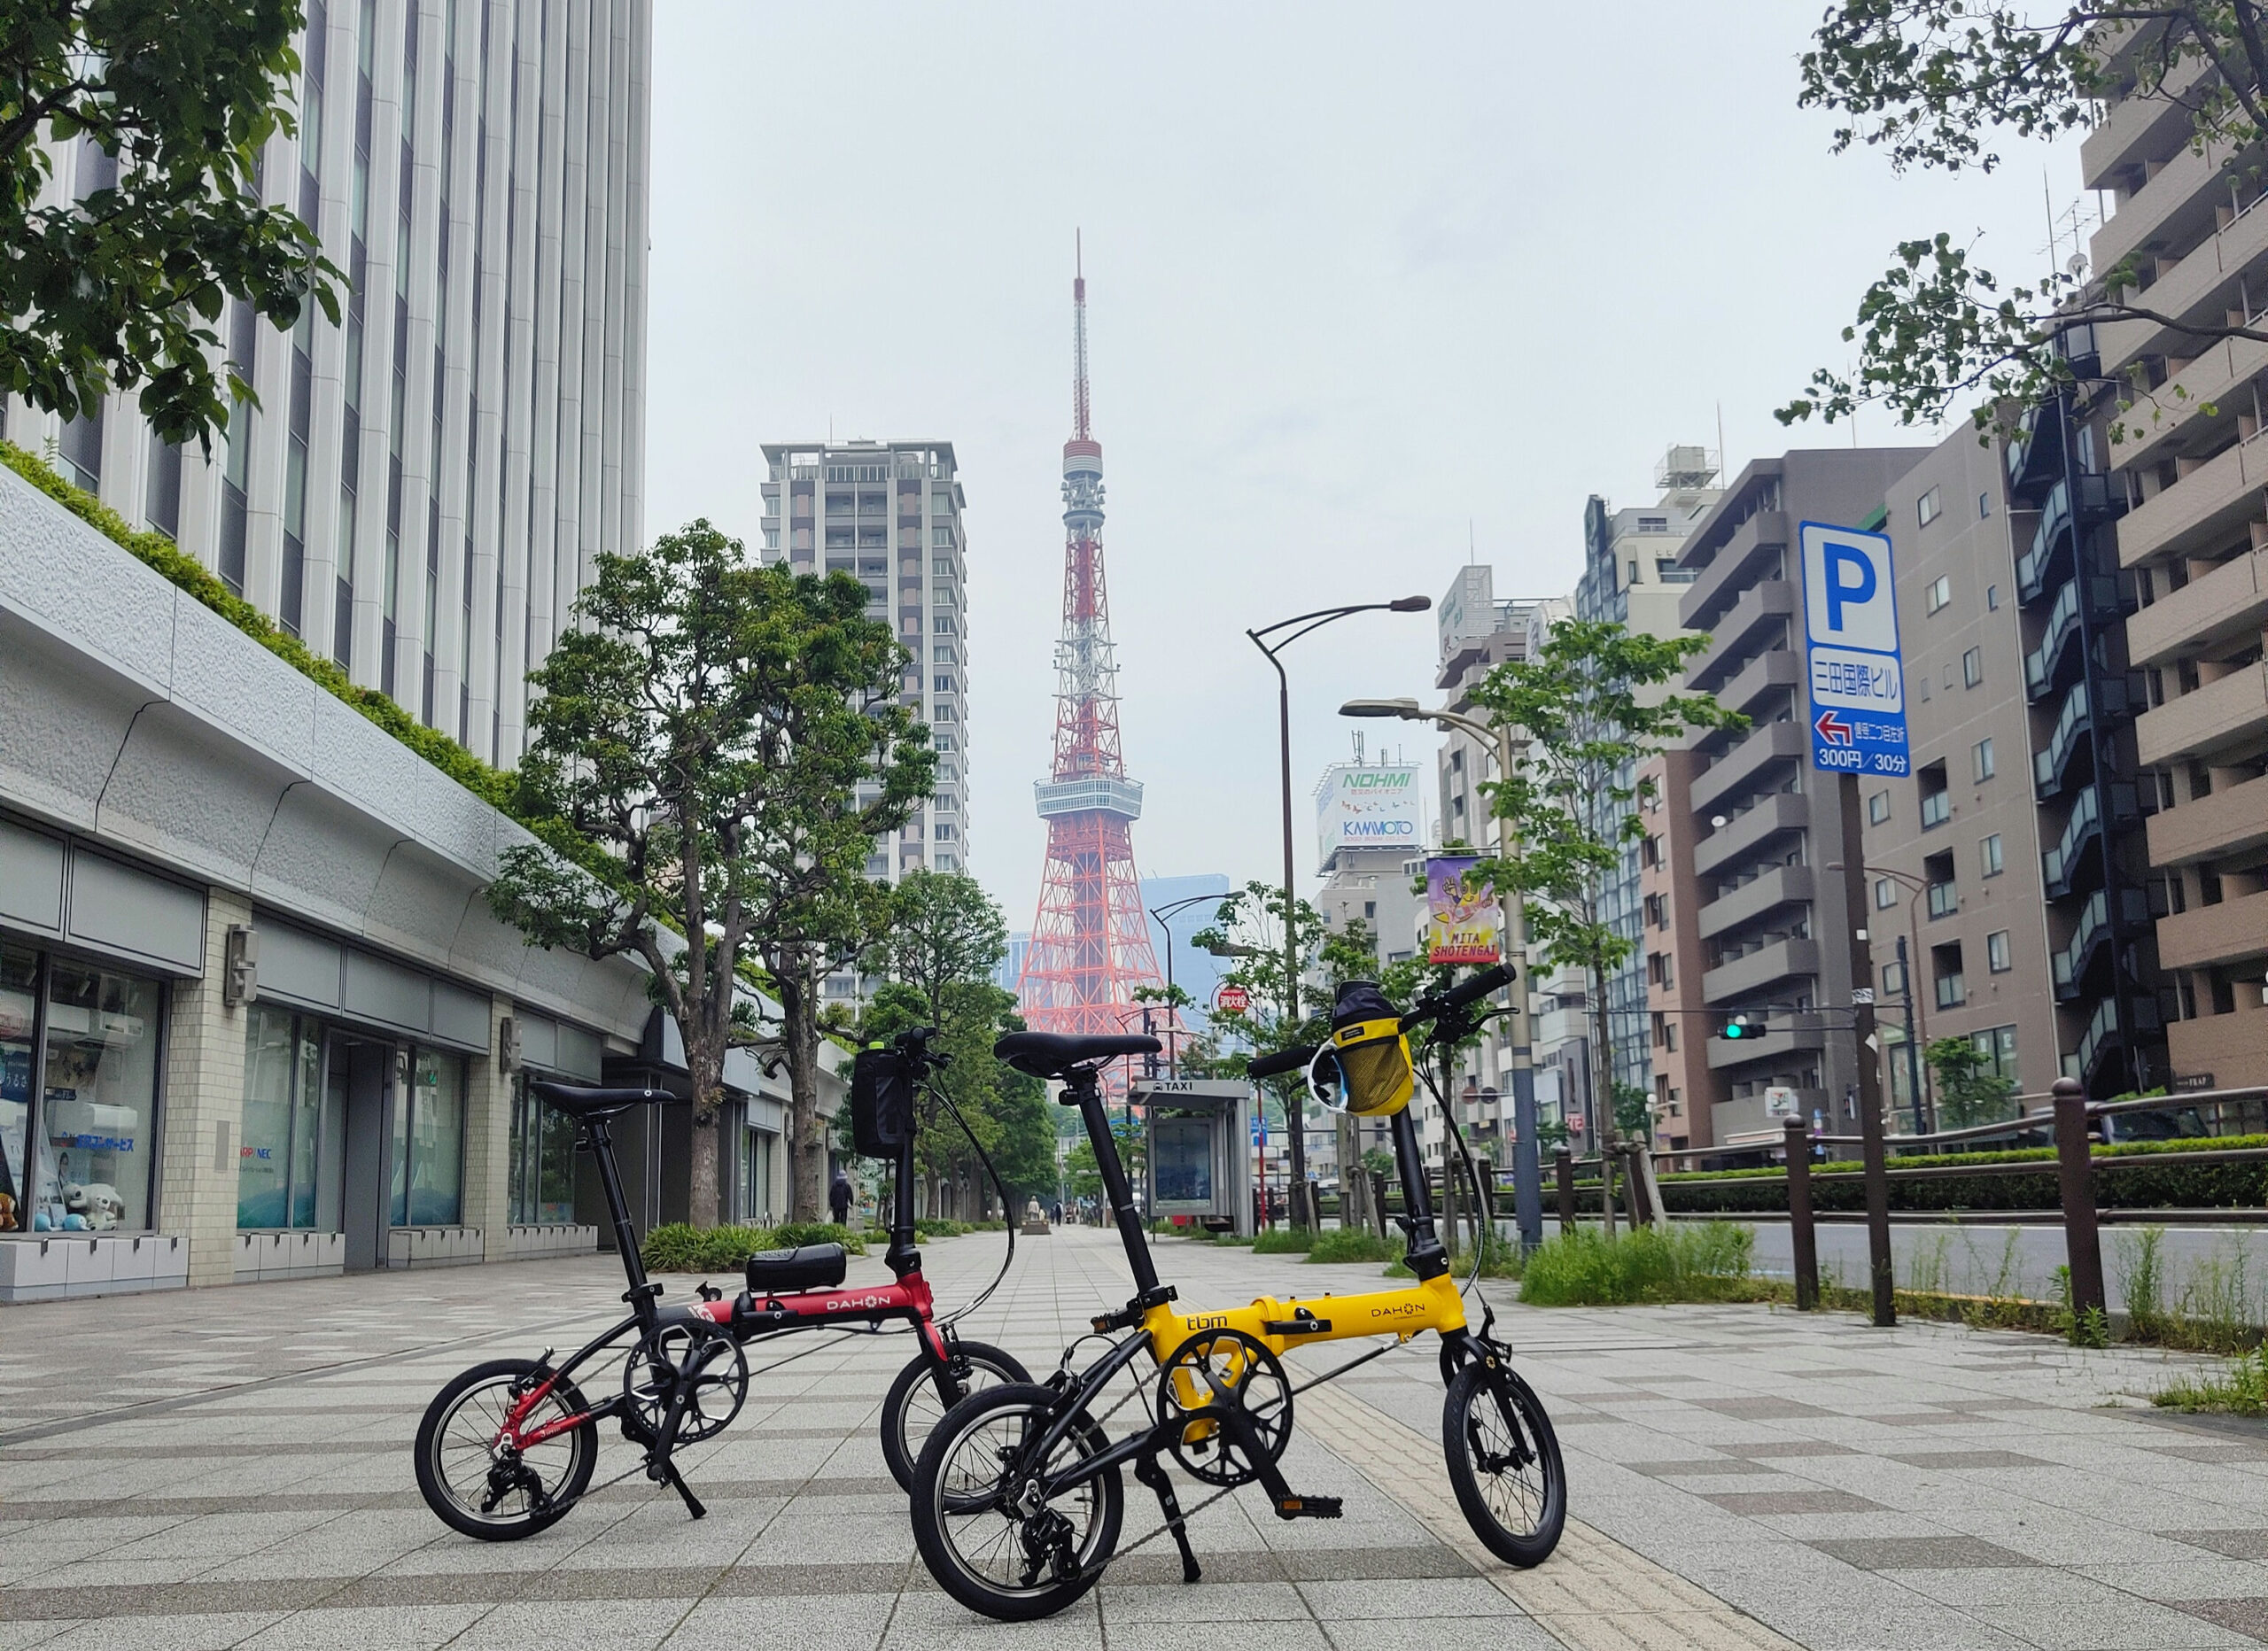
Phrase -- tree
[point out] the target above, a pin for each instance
(1968, 1095)
(1589, 709)
(703, 731)
(1934, 84)
(944, 931)
(123, 285)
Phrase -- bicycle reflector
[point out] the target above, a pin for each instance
(1741, 1027)
(882, 1102)
(1375, 1075)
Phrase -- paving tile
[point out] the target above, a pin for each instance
(1965, 1458)
(1918, 1552)
(2247, 1616)
(1755, 1503)
(2245, 1544)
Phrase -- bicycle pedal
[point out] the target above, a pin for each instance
(1310, 1508)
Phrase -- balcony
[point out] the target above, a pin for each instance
(2195, 289)
(2232, 1050)
(1748, 766)
(2068, 866)
(2221, 716)
(2139, 128)
(2229, 601)
(1743, 837)
(1780, 669)
(2090, 941)
(2193, 407)
(2164, 211)
(1746, 1123)
(1734, 636)
(2229, 822)
(2051, 764)
(2034, 455)
(2231, 932)
(2201, 511)
(2058, 659)
(2049, 558)
(2102, 1038)
(1756, 549)
(1767, 966)
(1782, 886)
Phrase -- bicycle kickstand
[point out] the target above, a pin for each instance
(1147, 1470)
(659, 1463)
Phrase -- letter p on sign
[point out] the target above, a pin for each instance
(1848, 598)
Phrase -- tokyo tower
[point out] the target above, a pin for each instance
(1091, 941)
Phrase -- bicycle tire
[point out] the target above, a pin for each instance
(433, 1481)
(1487, 1411)
(906, 1425)
(940, 1550)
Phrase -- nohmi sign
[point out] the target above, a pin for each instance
(1858, 687)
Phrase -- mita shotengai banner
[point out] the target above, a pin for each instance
(1377, 806)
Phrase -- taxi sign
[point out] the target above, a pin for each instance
(1857, 683)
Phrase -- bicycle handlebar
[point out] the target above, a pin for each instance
(1282, 1061)
(1435, 1004)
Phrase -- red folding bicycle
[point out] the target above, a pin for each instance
(507, 1448)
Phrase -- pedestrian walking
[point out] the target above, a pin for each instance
(838, 1198)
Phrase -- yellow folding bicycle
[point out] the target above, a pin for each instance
(1017, 1496)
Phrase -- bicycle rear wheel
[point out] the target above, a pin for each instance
(1503, 1462)
(473, 1488)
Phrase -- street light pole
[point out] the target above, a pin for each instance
(1920, 886)
(1299, 626)
(1527, 1165)
(1174, 908)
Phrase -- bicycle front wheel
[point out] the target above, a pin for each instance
(1503, 1462)
(475, 1489)
(925, 1390)
(987, 1529)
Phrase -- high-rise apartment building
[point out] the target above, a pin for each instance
(890, 512)
(2187, 468)
(422, 489)
(1767, 830)
(1631, 576)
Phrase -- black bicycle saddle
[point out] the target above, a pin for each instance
(1060, 1054)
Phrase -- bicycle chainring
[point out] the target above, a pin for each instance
(1209, 1376)
(715, 1371)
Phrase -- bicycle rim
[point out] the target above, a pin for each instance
(986, 1540)
(461, 1454)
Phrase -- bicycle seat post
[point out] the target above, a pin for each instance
(1088, 1094)
(601, 1142)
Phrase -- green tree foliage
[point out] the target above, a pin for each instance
(1589, 708)
(1939, 84)
(170, 105)
(1968, 1094)
(944, 939)
(707, 728)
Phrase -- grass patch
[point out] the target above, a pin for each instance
(678, 1247)
(1685, 1261)
(1284, 1240)
(1233, 1241)
(2241, 1390)
(1352, 1244)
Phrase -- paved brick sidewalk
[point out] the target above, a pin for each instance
(1928, 1487)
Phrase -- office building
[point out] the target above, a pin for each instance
(2192, 546)
(423, 489)
(1631, 577)
(1765, 830)
(1670, 960)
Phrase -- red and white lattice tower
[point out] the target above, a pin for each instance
(1091, 941)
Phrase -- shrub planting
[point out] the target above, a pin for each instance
(1688, 1261)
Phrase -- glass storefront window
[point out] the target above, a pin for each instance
(541, 1179)
(287, 1166)
(19, 1004)
(427, 1186)
(97, 1116)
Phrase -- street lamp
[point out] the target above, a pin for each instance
(1920, 886)
(1292, 630)
(1527, 1167)
(1161, 913)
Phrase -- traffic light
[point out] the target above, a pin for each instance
(1740, 1026)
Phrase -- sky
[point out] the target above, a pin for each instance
(1371, 290)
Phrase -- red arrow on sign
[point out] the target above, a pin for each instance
(1833, 732)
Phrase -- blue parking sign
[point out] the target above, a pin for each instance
(1857, 683)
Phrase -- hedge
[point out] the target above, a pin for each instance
(677, 1247)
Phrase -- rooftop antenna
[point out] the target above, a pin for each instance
(1471, 550)
(1724, 464)
(1079, 422)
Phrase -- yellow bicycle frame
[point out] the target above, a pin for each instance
(1432, 1305)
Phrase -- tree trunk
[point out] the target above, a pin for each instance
(704, 1067)
(799, 1032)
(1604, 1132)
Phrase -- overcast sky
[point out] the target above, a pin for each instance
(1357, 277)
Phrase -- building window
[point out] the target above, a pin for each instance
(1937, 801)
(427, 1181)
(1945, 898)
(1878, 807)
(1929, 508)
(1983, 507)
(1940, 591)
(1893, 979)
(294, 1137)
(1996, 952)
(1981, 759)
(1653, 524)
(944, 833)
(78, 1095)
(539, 1173)
(1953, 990)
(1972, 667)
(1988, 856)
(1885, 894)
(1993, 598)
(943, 684)
(2000, 1044)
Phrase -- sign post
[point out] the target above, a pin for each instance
(1858, 723)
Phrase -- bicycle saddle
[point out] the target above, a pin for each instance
(806, 1266)
(578, 1102)
(1058, 1054)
